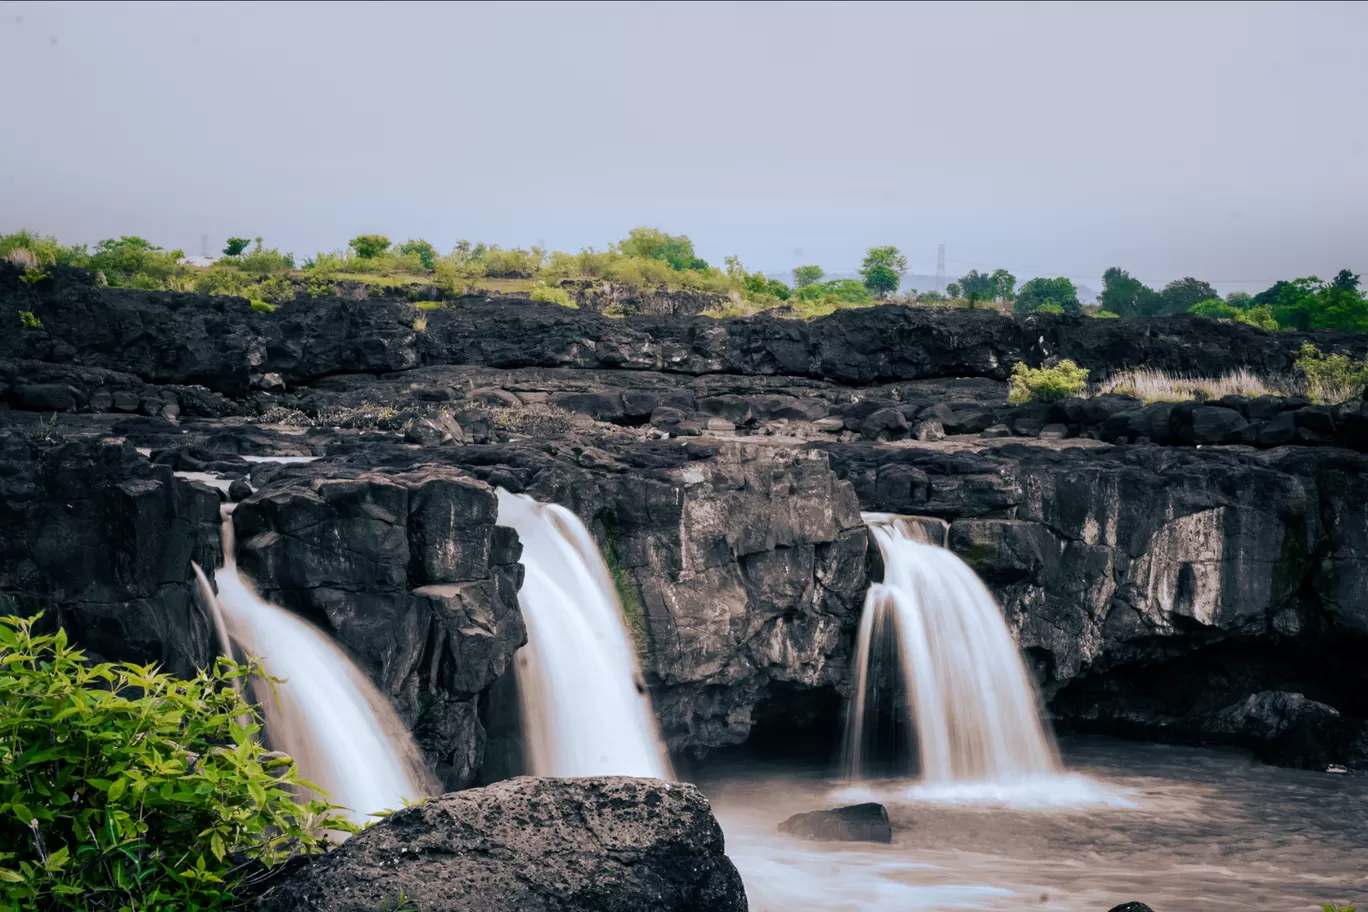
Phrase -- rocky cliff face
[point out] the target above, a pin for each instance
(409, 572)
(102, 540)
(1193, 571)
(1155, 587)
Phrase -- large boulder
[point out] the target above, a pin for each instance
(608, 844)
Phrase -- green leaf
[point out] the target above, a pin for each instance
(117, 788)
(9, 876)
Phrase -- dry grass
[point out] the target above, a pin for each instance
(1160, 386)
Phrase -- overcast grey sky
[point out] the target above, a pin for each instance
(1227, 141)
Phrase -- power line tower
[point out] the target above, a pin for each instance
(204, 245)
(940, 268)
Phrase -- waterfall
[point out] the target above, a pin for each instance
(585, 710)
(964, 704)
(341, 731)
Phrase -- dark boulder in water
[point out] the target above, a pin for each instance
(1131, 907)
(530, 845)
(857, 823)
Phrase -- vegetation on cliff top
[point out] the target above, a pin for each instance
(650, 259)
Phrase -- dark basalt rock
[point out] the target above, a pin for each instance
(102, 539)
(408, 571)
(530, 845)
(1131, 907)
(856, 823)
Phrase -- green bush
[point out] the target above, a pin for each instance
(552, 295)
(122, 788)
(133, 262)
(27, 320)
(261, 262)
(1047, 384)
(512, 264)
(221, 280)
(1216, 309)
(1260, 316)
(44, 251)
(1049, 307)
(263, 307)
(1106, 315)
(1331, 378)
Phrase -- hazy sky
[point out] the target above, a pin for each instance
(1227, 141)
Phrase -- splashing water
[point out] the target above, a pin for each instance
(966, 707)
(342, 733)
(584, 706)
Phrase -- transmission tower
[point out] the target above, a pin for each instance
(940, 268)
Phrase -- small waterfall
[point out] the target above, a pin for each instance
(932, 634)
(342, 733)
(585, 709)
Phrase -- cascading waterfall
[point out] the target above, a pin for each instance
(965, 706)
(585, 710)
(342, 733)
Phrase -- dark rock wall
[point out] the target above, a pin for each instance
(220, 343)
(410, 574)
(102, 540)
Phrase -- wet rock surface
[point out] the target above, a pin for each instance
(531, 845)
(857, 823)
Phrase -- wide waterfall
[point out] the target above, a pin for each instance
(342, 733)
(585, 710)
(938, 674)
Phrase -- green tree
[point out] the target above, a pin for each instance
(1037, 292)
(953, 290)
(370, 246)
(235, 246)
(978, 286)
(1179, 296)
(882, 270)
(1004, 285)
(1126, 296)
(127, 789)
(426, 253)
(804, 276)
(1342, 305)
(654, 244)
(1241, 300)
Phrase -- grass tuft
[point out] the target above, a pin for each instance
(1150, 385)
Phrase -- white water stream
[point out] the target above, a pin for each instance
(585, 710)
(341, 731)
(973, 714)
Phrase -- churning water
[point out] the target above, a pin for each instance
(585, 710)
(1182, 829)
(342, 733)
(938, 677)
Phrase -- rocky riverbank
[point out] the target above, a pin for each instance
(1193, 572)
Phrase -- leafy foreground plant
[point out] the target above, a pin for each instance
(122, 788)
(1047, 384)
